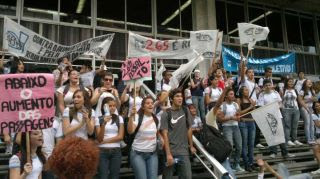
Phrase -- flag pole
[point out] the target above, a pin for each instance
(28, 147)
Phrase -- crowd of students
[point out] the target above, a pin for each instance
(157, 134)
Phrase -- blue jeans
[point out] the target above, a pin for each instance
(291, 118)
(284, 173)
(227, 166)
(248, 132)
(233, 135)
(198, 101)
(109, 163)
(144, 164)
(308, 124)
(183, 168)
(283, 147)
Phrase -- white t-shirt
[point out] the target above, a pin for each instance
(146, 138)
(267, 98)
(214, 93)
(316, 118)
(87, 78)
(290, 99)
(82, 132)
(68, 97)
(230, 110)
(111, 130)
(48, 141)
(307, 98)
(299, 84)
(37, 166)
(260, 83)
(187, 93)
(131, 100)
(196, 122)
(251, 86)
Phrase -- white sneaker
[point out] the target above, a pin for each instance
(272, 156)
(290, 143)
(297, 142)
(317, 172)
(260, 146)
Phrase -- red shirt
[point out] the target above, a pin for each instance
(221, 84)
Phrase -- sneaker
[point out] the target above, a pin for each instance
(317, 172)
(239, 169)
(297, 142)
(272, 156)
(290, 143)
(260, 146)
(312, 143)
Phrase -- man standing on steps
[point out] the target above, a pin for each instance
(177, 134)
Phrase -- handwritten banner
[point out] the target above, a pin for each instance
(136, 68)
(139, 46)
(23, 42)
(27, 102)
(282, 64)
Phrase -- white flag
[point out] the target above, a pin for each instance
(219, 45)
(268, 118)
(204, 42)
(183, 71)
(23, 42)
(160, 71)
(250, 34)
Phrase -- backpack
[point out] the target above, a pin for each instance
(186, 113)
(215, 143)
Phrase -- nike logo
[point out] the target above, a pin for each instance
(173, 121)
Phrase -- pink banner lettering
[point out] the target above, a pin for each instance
(27, 102)
(136, 68)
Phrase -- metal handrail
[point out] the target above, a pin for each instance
(219, 170)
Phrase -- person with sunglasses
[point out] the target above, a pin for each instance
(107, 90)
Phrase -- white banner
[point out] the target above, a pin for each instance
(160, 71)
(183, 71)
(169, 49)
(250, 34)
(219, 45)
(204, 42)
(25, 43)
(268, 118)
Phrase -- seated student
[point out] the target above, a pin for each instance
(74, 158)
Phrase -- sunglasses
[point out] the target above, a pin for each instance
(108, 79)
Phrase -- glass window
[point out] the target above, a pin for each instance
(75, 11)
(139, 15)
(275, 36)
(50, 31)
(117, 50)
(234, 19)
(41, 9)
(221, 16)
(257, 16)
(308, 35)
(110, 16)
(293, 32)
(186, 17)
(168, 19)
(34, 26)
(72, 35)
(1, 32)
(8, 7)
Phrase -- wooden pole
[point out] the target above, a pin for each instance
(257, 109)
(134, 93)
(28, 147)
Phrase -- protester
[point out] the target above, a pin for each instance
(19, 165)
(79, 120)
(74, 158)
(143, 154)
(166, 75)
(267, 75)
(196, 121)
(110, 132)
(197, 89)
(299, 82)
(187, 95)
(87, 74)
(307, 93)
(162, 103)
(267, 96)
(61, 74)
(247, 127)
(212, 93)
(291, 114)
(177, 134)
(230, 127)
(129, 96)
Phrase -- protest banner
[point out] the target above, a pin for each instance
(139, 46)
(136, 68)
(250, 34)
(204, 42)
(268, 118)
(27, 102)
(282, 64)
(25, 43)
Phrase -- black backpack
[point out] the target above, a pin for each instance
(215, 143)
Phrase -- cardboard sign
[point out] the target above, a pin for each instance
(136, 68)
(23, 42)
(27, 102)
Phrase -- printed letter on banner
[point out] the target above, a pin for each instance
(27, 102)
(136, 68)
